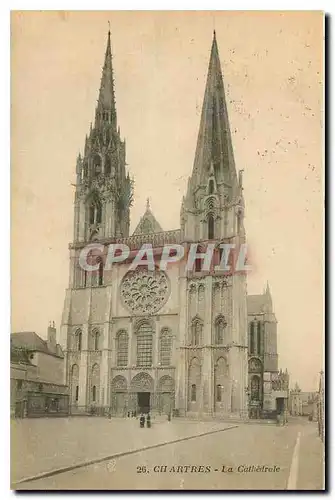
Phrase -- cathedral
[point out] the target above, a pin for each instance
(182, 341)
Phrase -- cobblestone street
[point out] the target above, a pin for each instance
(38, 446)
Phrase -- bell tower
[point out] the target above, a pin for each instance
(213, 345)
(103, 189)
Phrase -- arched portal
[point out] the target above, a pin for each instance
(142, 388)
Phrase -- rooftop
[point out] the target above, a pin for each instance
(32, 342)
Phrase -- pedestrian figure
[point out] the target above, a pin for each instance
(135, 413)
(142, 421)
(128, 414)
(169, 417)
(148, 421)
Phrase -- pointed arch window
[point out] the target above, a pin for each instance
(105, 116)
(255, 337)
(221, 378)
(95, 212)
(78, 338)
(96, 165)
(196, 332)
(101, 272)
(95, 335)
(95, 382)
(259, 331)
(122, 348)
(165, 347)
(211, 187)
(198, 261)
(210, 222)
(220, 326)
(252, 338)
(107, 165)
(194, 380)
(144, 345)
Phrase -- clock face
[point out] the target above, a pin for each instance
(144, 292)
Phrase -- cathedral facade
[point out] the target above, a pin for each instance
(172, 339)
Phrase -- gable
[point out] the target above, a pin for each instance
(148, 224)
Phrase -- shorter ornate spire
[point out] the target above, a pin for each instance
(106, 109)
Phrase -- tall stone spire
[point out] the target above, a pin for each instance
(214, 146)
(213, 207)
(106, 109)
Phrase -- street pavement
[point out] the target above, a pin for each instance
(228, 457)
(42, 445)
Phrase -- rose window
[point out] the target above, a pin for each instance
(144, 292)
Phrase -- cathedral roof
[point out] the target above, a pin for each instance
(258, 304)
(255, 304)
(148, 223)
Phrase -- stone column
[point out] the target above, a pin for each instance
(133, 346)
(82, 221)
(76, 218)
(155, 357)
(238, 352)
(181, 382)
(105, 346)
(84, 356)
(131, 361)
(83, 369)
(206, 375)
(104, 368)
(65, 329)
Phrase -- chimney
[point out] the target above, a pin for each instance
(52, 336)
